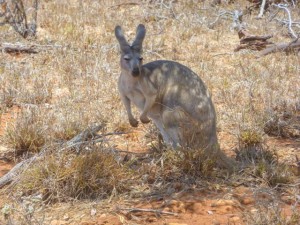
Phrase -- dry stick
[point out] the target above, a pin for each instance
(14, 173)
(287, 47)
(125, 3)
(212, 24)
(23, 48)
(18, 48)
(262, 9)
(282, 6)
(131, 210)
(78, 143)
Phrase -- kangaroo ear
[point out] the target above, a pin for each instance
(139, 38)
(122, 41)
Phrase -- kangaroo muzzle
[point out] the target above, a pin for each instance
(135, 72)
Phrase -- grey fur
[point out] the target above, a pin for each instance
(170, 94)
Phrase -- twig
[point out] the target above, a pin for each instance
(23, 48)
(156, 211)
(286, 22)
(155, 53)
(282, 6)
(211, 25)
(124, 3)
(18, 48)
(78, 144)
(237, 20)
(287, 47)
(262, 9)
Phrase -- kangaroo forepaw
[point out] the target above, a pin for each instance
(133, 122)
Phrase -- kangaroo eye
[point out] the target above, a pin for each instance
(141, 58)
(126, 58)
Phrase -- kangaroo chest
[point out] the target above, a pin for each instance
(133, 92)
(137, 98)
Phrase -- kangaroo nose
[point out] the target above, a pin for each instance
(135, 72)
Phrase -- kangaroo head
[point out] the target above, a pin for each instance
(131, 59)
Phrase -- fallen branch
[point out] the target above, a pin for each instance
(156, 211)
(18, 48)
(77, 143)
(253, 42)
(24, 48)
(124, 3)
(15, 172)
(248, 41)
(293, 46)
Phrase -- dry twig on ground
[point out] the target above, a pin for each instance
(248, 41)
(291, 47)
(156, 211)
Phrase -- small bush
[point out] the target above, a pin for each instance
(250, 138)
(28, 133)
(263, 164)
(66, 176)
(186, 163)
(272, 214)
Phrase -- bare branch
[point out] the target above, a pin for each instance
(18, 48)
(156, 211)
(290, 22)
(293, 46)
(262, 9)
(25, 48)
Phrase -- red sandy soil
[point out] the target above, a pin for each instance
(190, 207)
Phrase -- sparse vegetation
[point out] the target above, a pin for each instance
(95, 174)
(272, 214)
(71, 83)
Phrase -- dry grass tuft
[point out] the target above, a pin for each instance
(28, 133)
(60, 177)
(263, 164)
(272, 214)
(184, 163)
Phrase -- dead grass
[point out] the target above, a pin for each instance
(272, 214)
(258, 160)
(28, 133)
(61, 177)
(184, 163)
(73, 83)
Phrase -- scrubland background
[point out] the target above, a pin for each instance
(71, 83)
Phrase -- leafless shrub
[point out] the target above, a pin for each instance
(15, 14)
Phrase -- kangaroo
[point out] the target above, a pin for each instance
(168, 93)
